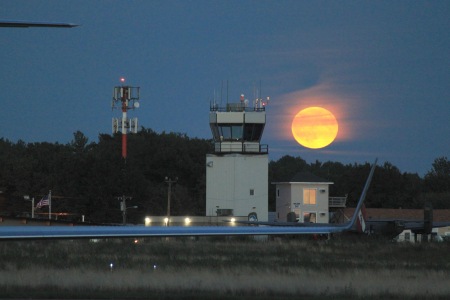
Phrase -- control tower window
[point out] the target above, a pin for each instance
(215, 132)
(253, 132)
(228, 132)
(236, 132)
(225, 132)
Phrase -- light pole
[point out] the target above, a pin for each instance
(217, 212)
(169, 181)
(123, 207)
(135, 206)
(27, 197)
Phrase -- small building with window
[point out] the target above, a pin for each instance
(306, 196)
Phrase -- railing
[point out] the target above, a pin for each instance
(236, 147)
(337, 201)
(235, 107)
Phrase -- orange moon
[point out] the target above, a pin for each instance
(314, 127)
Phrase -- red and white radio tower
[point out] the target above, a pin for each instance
(129, 98)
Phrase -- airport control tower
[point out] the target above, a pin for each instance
(237, 171)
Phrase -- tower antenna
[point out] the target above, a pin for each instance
(221, 92)
(128, 96)
(259, 96)
(227, 91)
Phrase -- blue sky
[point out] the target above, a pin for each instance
(382, 67)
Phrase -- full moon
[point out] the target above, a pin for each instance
(314, 127)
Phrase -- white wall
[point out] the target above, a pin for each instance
(229, 179)
(283, 201)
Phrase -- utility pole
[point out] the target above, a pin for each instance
(27, 197)
(123, 207)
(50, 204)
(169, 192)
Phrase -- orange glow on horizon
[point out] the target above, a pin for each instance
(314, 127)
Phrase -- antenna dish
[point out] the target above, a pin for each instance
(136, 104)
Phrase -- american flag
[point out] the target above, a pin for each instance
(44, 201)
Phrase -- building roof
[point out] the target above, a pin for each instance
(305, 177)
(439, 215)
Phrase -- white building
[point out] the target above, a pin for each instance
(306, 196)
(237, 171)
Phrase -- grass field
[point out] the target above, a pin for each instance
(224, 268)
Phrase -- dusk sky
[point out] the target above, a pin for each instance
(381, 67)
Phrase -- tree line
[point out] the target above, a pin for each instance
(390, 188)
(88, 178)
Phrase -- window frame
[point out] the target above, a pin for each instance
(307, 196)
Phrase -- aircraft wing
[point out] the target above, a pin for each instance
(48, 232)
(286, 224)
(58, 232)
(26, 24)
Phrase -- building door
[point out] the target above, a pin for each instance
(309, 217)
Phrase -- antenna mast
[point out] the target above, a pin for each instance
(128, 96)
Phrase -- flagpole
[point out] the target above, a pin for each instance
(50, 204)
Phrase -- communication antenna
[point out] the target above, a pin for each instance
(227, 91)
(221, 93)
(259, 91)
(214, 98)
(128, 97)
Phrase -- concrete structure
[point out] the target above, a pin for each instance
(237, 171)
(307, 196)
